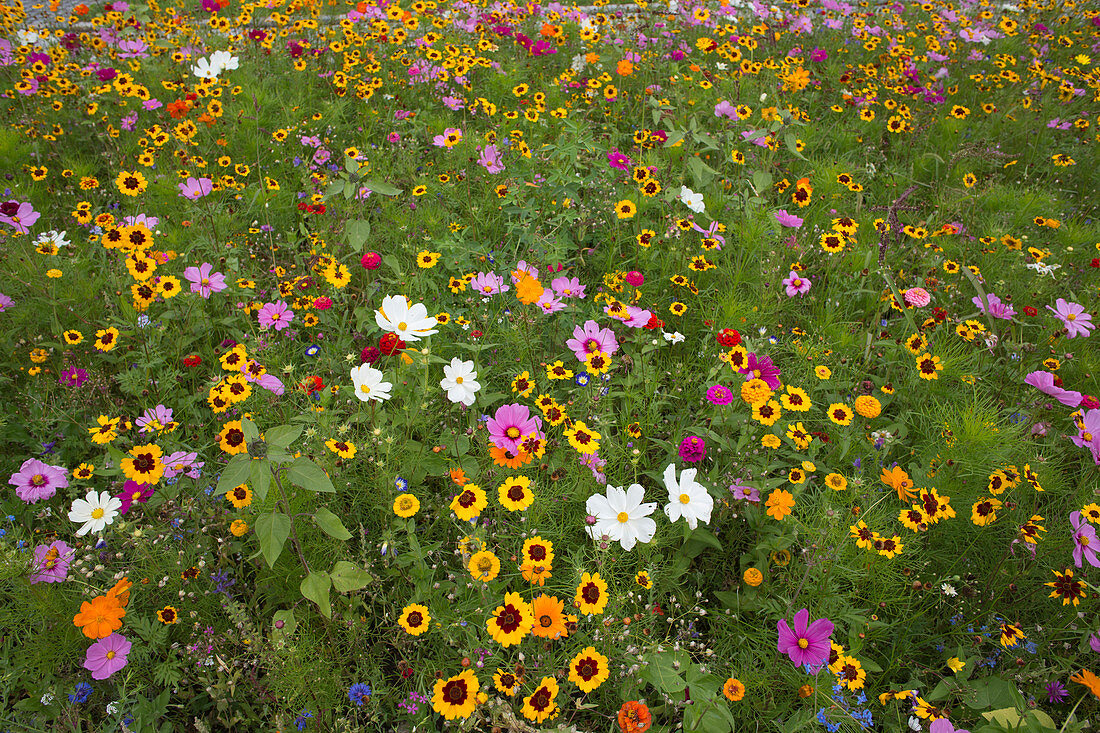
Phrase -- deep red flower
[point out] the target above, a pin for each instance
(1030, 311)
(1095, 262)
(369, 355)
(192, 360)
(939, 314)
(312, 384)
(390, 344)
(729, 338)
(371, 260)
(654, 322)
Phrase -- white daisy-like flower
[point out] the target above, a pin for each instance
(204, 69)
(692, 200)
(96, 511)
(460, 381)
(686, 498)
(622, 516)
(410, 323)
(369, 385)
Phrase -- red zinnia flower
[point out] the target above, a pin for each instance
(192, 361)
(390, 344)
(729, 338)
(1030, 311)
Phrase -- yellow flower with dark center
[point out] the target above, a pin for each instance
(469, 502)
(341, 448)
(511, 621)
(840, 413)
(507, 682)
(542, 703)
(426, 260)
(131, 183)
(231, 438)
(584, 440)
(414, 619)
(591, 597)
(143, 465)
(73, 337)
(1070, 590)
(168, 615)
(795, 399)
(626, 209)
(484, 566)
(515, 493)
(929, 366)
(240, 496)
(456, 697)
(588, 669)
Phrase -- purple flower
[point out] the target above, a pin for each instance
(788, 220)
(549, 303)
(818, 55)
(51, 562)
(277, 315)
(35, 480)
(1088, 431)
(567, 287)
(5, 302)
(1056, 692)
(693, 449)
(133, 492)
(761, 367)
(796, 285)
(73, 377)
(1073, 316)
(805, 644)
(488, 283)
(1085, 541)
(490, 160)
(18, 215)
(196, 188)
(745, 493)
(943, 725)
(204, 281)
(719, 395)
(591, 338)
(725, 109)
(997, 309)
(182, 462)
(1094, 643)
(1044, 382)
(157, 419)
(510, 425)
(107, 656)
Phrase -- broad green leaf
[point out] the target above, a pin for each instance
(334, 189)
(358, 231)
(286, 616)
(308, 475)
(380, 187)
(260, 477)
(251, 432)
(330, 524)
(348, 577)
(661, 673)
(272, 530)
(235, 473)
(282, 435)
(706, 537)
(316, 587)
(792, 145)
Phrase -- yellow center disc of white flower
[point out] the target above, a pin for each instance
(364, 389)
(458, 380)
(623, 517)
(684, 498)
(402, 326)
(97, 513)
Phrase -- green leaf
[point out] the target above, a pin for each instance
(380, 187)
(315, 587)
(662, 674)
(272, 530)
(347, 577)
(358, 231)
(260, 477)
(351, 165)
(235, 473)
(701, 173)
(330, 524)
(308, 475)
(706, 537)
(251, 432)
(282, 435)
(289, 622)
(792, 145)
(334, 189)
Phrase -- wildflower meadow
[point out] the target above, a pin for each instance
(484, 365)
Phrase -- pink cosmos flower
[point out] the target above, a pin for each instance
(440, 141)
(549, 303)
(488, 283)
(155, 419)
(107, 656)
(617, 160)
(522, 267)
(917, 297)
(195, 188)
(805, 644)
(796, 285)
(1085, 541)
(490, 159)
(725, 109)
(1044, 382)
(567, 287)
(788, 220)
(18, 215)
(943, 725)
(510, 425)
(277, 315)
(204, 281)
(637, 317)
(35, 480)
(1088, 432)
(1073, 316)
(997, 309)
(182, 462)
(591, 338)
(51, 562)
(133, 493)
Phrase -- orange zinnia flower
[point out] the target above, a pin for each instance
(1089, 680)
(898, 480)
(634, 717)
(100, 617)
(528, 289)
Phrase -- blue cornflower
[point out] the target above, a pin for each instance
(81, 693)
(401, 484)
(581, 379)
(313, 350)
(303, 719)
(359, 693)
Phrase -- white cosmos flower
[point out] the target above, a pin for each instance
(223, 61)
(460, 381)
(96, 511)
(369, 385)
(409, 323)
(673, 338)
(692, 200)
(686, 498)
(205, 70)
(622, 516)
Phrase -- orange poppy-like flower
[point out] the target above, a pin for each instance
(898, 480)
(459, 476)
(634, 717)
(502, 457)
(121, 592)
(100, 617)
(1089, 680)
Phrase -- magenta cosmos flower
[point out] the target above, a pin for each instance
(277, 315)
(107, 656)
(1085, 541)
(51, 562)
(133, 493)
(204, 281)
(761, 367)
(18, 215)
(1044, 382)
(617, 160)
(590, 338)
(805, 644)
(510, 425)
(1073, 316)
(796, 285)
(788, 220)
(997, 309)
(35, 480)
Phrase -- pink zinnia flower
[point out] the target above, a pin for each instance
(634, 279)
(796, 285)
(35, 480)
(1073, 316)
(51, 562)
(510, 425)
(277, 315)
(371, 260)
(805, 644)
(719, 395)
(107, 656)
(591, 338)
(693, 449)
(917, 297)
(204, 281)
